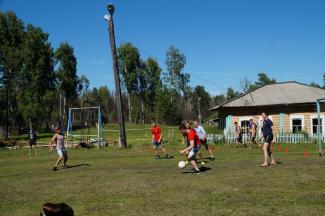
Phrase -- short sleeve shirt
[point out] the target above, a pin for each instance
(267, 127)
(200, 132)
(193, 136)
(156, 132)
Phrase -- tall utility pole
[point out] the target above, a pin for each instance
(199, 108)
(120, 113)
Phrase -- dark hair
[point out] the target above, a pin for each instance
(182, 127)
(236, 122)
(266, 113)
(59, 209)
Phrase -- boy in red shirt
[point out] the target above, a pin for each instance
(157, 139)
(193, 148)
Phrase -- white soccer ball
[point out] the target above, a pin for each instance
(181, 164)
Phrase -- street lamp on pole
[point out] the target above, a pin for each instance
(120, 113)
(199, 108)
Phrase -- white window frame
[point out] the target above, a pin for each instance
(244, 118)
(314, 116)
(301, 117)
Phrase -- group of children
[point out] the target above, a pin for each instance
(193, 138)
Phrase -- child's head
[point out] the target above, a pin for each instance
(60, 209)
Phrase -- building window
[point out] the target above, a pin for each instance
(315, 123)
(296, 125)
(244, 126)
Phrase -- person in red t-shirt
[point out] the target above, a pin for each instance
(193, 148)
(157, 139)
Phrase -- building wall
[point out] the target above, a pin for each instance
(306, 123)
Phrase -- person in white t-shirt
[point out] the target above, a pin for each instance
(202, 136)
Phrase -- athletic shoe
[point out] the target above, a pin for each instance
(168, 156)
(157, 157)
(202, 163)
(55, 168)
(65, 166)
(197, 172)
(212, 158)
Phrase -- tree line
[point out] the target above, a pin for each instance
(39, 83)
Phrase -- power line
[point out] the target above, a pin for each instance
(162, 62)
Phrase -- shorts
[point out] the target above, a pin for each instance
(156, 143)
(32, 142)
(62, 152)
(205, 143)
(268, 138)
(191, 155)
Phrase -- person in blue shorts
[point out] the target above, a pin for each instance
(269, 138)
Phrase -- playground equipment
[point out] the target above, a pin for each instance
(84, 119)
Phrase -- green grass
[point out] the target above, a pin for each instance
(131, 182)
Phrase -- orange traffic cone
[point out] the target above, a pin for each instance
(305, 153)
(287, 149)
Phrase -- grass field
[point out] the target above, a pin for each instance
(112, 181)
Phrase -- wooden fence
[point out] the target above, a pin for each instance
(280, 138)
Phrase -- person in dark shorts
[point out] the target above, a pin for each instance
(269, 138)
(32, 141)
(157, 139)
(202, 136)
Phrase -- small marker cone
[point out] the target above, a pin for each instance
(287, 149)
(305, 153)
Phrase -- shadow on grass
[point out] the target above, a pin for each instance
(202, 169)
(74, 166)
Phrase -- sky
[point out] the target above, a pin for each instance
(224, 41)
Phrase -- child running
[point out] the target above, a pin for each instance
(157, 140)
(268, 134)
(202, 136)
(193, 148)
(60, 148)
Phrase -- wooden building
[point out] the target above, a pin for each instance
(291, 107)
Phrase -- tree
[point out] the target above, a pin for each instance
(36, 80)
(67, 74)
(133, 71)
(83, 86)
(205, 101)
(263, 80)
(11, 43)
(175, 78)
(219, 99)
(232, 93)
(154, 84)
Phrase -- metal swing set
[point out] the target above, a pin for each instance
(85, 120)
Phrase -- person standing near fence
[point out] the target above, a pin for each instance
(238, 133)
(202, 136)
(269, 138)
(157, 136)
(252, 131)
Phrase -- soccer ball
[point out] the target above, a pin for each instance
(181, 164)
